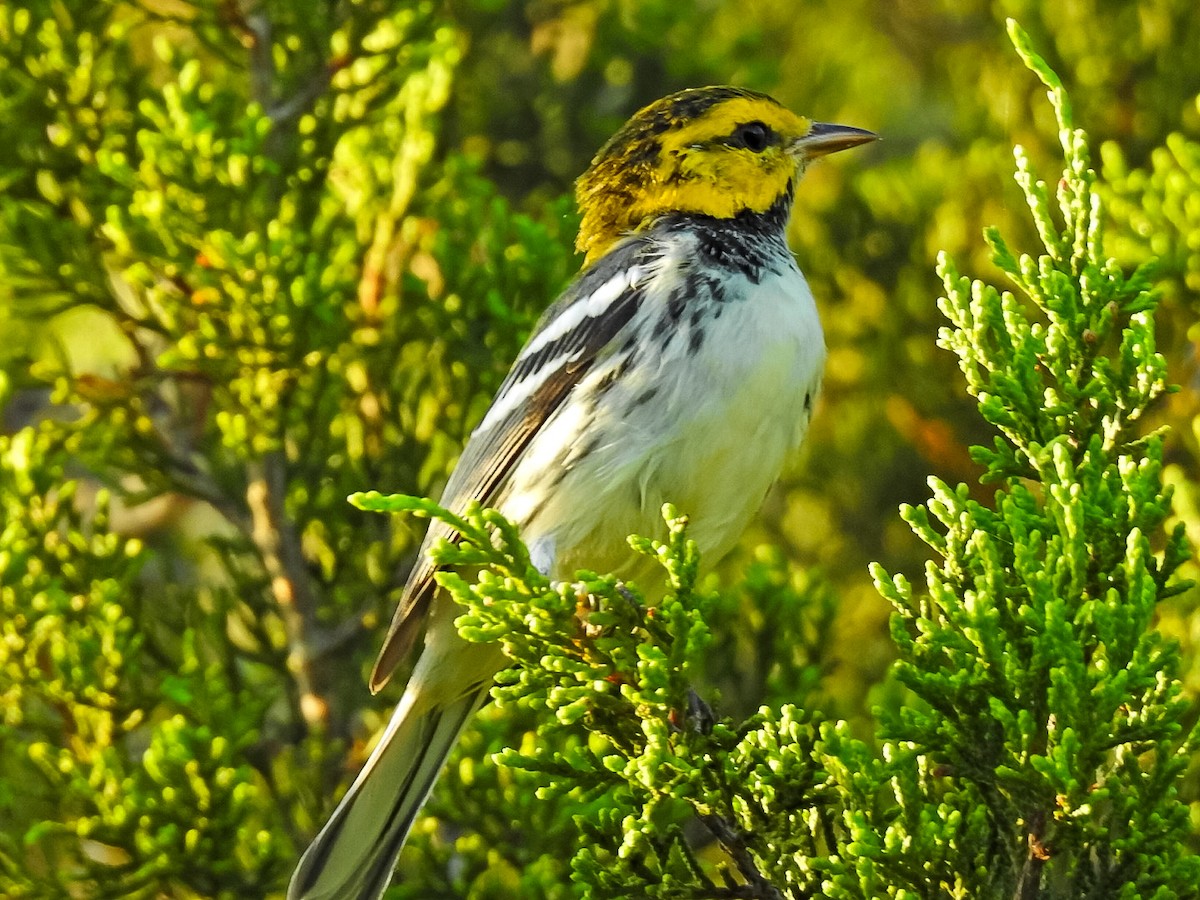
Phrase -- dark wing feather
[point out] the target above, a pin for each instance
(492, 452)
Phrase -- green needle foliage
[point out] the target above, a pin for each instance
(623, 739)
(1053, 708)
(149, 760)
(1043, 753)
(1157, 212)
(255, 256)
(190, 198)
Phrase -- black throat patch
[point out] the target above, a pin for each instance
(751, 243)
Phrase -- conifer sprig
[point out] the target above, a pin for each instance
(1046, 699)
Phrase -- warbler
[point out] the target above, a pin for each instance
(680, 366)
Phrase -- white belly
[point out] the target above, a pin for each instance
(712, 440)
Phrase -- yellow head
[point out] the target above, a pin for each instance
(715, 151)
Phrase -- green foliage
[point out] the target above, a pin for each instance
(1158, 210)
(623, 742)
(254, 257)
(1046, 701)
(1043, 754)
(260, 364)
(120, 768)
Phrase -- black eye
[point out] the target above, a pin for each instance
(754, 136)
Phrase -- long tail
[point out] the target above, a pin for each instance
(354, 855)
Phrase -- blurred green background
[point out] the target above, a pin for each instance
(256, 256)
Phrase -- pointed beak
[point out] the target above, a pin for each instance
(823, 139)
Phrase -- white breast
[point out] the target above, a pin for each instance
(726, 412)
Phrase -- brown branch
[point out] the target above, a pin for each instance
(272, 531)
(1029, 882)
(275, 536)
(258, 39)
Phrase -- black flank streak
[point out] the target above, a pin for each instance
(678, 301)
(644, 397)
(661, 327)
(592, 445)
(557, 471)
(695, 340)
(666, 329)
(609, 378)
(715, 288)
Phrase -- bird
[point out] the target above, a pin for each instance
(681, 365)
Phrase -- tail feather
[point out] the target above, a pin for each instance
(353, 856)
